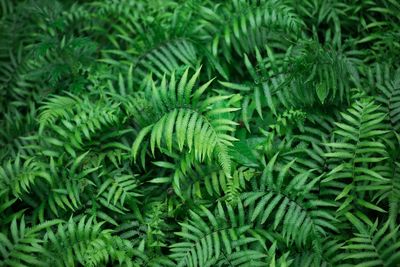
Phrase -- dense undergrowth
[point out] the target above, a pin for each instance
(199, 133)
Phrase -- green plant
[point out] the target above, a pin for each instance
(199, 133)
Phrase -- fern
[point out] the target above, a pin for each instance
(199, 133)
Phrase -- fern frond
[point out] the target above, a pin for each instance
(240, 26)
(318, 74)
(56, 108)
(86, 243)
(222, 236)
(373, 245)
(23, 246)
(390, 96)
(166, 58)
(290, 205)
(191, 180)
(357, 148)
(18, 177)
(118, 188)
(184, 118)
(72, 120)
(330, 255)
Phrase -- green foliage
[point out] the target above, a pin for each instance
(199, 133)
